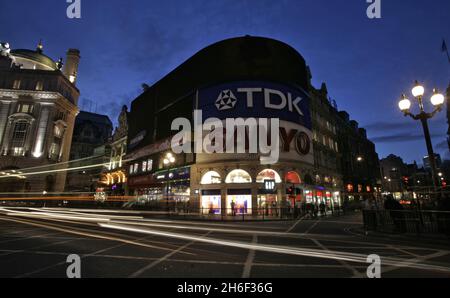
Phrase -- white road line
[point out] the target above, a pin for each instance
(87, 234)
(311, 227)
(295, 224)
(64, 262)
(344, 264)
(153, 264)
(312, 253)
(249, 262)
(411, 263)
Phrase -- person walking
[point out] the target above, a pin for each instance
(233, 208)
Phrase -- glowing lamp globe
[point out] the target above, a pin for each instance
(404, 104)
(418, 90)
(437, 99)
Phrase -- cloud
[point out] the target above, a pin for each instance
(398, 138)
(385, 125)
(442, 146)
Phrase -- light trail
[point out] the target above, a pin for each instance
(314, 253)
(88, 234)
(66, 198)
(55, 171)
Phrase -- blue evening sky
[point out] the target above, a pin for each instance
(366, 64)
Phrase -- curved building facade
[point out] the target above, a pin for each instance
(38, 106)
(247, 77)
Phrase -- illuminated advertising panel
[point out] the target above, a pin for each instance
(256, 99)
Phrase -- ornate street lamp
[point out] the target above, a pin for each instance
(437, 100)
(168, 161)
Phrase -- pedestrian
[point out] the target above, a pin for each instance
(323, 209)
(233, 208)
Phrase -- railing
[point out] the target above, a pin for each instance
(407, 222)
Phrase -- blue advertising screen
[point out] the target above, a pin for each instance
(257, 100)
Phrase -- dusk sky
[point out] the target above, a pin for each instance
(367, 64)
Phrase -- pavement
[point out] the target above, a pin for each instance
(36, 242)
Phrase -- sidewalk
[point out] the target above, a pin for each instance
(431, 238)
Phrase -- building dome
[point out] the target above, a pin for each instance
(36, 58)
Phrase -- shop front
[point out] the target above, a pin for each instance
(239, 201)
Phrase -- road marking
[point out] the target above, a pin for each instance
(249, 262)
(295, 224)
(314, 253)
(86, 234)
(411, 263)
(312, 227)
(153, 264)
(345, 264)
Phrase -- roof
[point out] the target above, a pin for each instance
(93, 117)
(35, 56)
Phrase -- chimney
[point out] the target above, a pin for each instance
(71, 66)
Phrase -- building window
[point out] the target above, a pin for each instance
(144, 166)
(54, 151)
(149, 165)
(238, 176)
(39, 86)
(268, 175)
(25, 108)
(211, 178)
(16, 84)
(19, 137)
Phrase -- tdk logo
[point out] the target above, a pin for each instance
(272, 99)
(226, 100)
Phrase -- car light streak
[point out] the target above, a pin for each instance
(332, 255)
(90, 234)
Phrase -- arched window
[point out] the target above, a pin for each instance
(268, 174)
(238, 176)
(211, 178)
(293, 178)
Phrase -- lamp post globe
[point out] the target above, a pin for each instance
(404, 104)
(418, 90)
(437, 99)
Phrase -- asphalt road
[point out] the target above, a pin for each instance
(37, 242)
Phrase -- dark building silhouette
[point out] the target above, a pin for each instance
(91, 130)
(214, 80)
(91, 133)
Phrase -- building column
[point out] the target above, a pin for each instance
(223, 194)
(65, 153)
(38, 149)
(255, 198)
(4, 113)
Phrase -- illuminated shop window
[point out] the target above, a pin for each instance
(239, 204)
(211, 204)
(238, 176)
(211, 178)
(268, 175)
